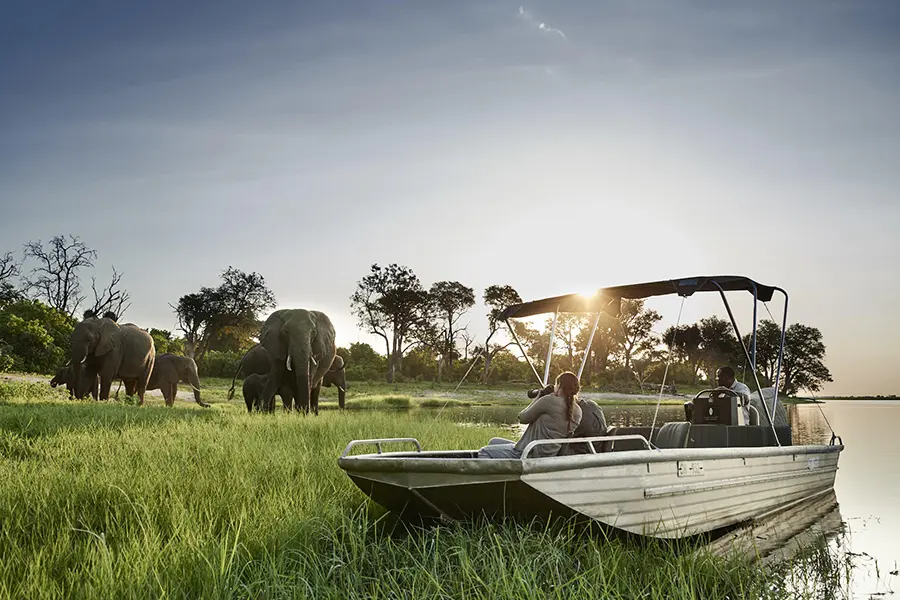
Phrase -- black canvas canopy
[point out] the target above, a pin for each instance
(608, 299)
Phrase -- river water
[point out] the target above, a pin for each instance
(867, 484)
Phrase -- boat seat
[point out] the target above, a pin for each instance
(673, 435)
(625, 445)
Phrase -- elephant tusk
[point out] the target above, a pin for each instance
(313, 360)
(82, 360)
(287, 363)
(342, 389)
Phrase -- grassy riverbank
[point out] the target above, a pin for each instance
(111, 500)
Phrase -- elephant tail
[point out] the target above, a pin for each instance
(236, 373)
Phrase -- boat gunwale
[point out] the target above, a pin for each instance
(421, 462)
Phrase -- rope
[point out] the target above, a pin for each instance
(662, 386)
(819, 404)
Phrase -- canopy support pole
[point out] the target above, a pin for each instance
(522, 348)
(587, 350)
(550, 348)
(781, 349)
(737, 332)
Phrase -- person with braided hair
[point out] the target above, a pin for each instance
(551, 416)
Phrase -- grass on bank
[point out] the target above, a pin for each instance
(113, 500)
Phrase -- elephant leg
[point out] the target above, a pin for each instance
(314, 399)
(169, 392)
(105, 385)
(131, 387)
(273, 384)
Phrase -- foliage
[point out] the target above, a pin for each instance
(363, 363)
(391, 303)
(635, 334)
(804, 352)
(236, 303)
(35, 337)
(164, 341)
(217, 363)
(450, 300)
(496, 298)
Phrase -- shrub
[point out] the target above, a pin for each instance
(217, 363)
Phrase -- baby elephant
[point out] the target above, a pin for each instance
(253, 389)
(65, 375)
(168, 371)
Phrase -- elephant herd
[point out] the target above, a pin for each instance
(296, 356)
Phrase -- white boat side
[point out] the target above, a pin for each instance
(664, 493)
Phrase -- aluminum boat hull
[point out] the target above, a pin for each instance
(665, 493)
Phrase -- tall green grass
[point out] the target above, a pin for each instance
(107, 500)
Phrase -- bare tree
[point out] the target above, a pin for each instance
(111, 298)
(55, 279)
(9, 268)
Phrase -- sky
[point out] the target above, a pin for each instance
(552, 146)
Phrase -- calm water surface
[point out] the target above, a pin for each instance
(867, 483)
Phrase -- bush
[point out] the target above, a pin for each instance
(216, 363)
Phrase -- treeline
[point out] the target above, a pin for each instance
(424, 340)
(425, 331)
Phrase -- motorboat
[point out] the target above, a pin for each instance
(706, 473)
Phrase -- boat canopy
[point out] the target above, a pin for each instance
(608, 299)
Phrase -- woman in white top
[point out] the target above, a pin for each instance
(552, 416)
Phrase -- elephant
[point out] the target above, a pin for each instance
(256, 361)
(253, 387)
(65, 375)
(112, 351)
(301, 347)
(168, 370)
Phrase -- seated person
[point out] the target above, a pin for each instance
(725, 378)
(551, 416)
(593, 424)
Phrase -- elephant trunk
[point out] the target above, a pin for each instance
(298, 361)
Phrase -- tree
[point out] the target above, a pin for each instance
(768, 343)
(496, 298)
(8, 269)
(803, 366)
(55, 279)
(391, 303)
(164, 341)
(363, 363)
(451, 300)
(685, 343)
(111, 298)
(602, 346)
(236, 303)
(637, 325)
(719, 345)
(34, 336)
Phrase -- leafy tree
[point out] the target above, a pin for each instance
(35, 336)
(451, 300)
(602, 347)
(804, 353)
(391, 303)
(363, 363)
(686, 344)
(164, 341)
(497, 298)
(236, 303)
(768, 342)
(719, 345)
(55, 277)
(636, 328)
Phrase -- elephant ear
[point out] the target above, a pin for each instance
(338, 363)
(108, 331)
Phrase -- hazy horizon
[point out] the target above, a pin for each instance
(556, 147)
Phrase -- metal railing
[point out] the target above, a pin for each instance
(589, 440)
(379, 442)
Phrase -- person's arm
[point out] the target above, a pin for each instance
(536, 409)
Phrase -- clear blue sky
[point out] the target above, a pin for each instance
(552, 146)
